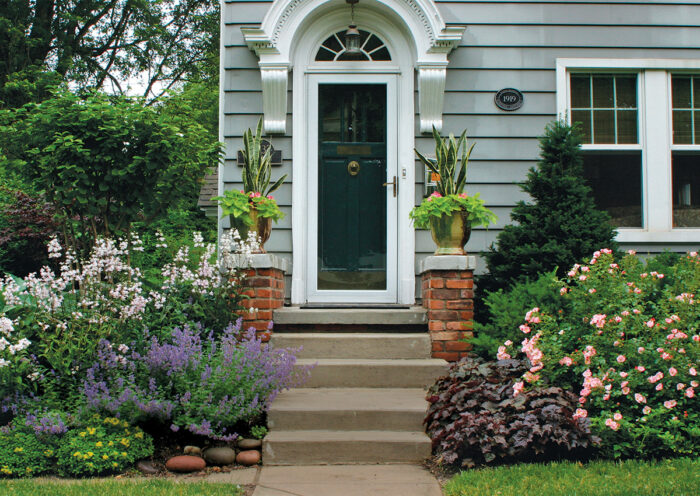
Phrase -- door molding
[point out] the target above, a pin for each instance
(313, 294)
(401, 69)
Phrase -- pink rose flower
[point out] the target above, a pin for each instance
(646, 410)
(580, 413)
(621, 358)
(690, 392)
(670, 404)
(639, 398)
(612, 424)
(617, 416)
(672, 371)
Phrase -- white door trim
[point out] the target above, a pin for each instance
(388, 295)
(402, 69)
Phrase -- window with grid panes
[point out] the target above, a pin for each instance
(605, 107)
(685, 155)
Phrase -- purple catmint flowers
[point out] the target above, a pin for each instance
(195, 380)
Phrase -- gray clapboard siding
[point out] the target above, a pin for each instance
(233, 173)
(495, 79)
(481, 102)
(544, 57)
(513, 125)
(568, 13)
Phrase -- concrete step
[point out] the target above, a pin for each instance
(373, 373)
(349, 409)
(355, 345)
(287, 316)
(321, 447)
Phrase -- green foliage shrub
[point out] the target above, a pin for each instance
(23, 453)
(506, 309)
(628, 342)
(106, 162)
(101, 446)
(558, 227)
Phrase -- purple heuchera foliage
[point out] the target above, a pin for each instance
(196, 381)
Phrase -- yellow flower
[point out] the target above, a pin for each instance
(105, 457)
(77, 453)
(98, 444)
(19, 449)
(6, 470)
(82, 434)
(29, 469)
(125, 442)
(91, 430)
(125, 424)
(111, 443)
(139, 435)
(48, 452)
(91, 465)
(90, 454)
(123, 453)
(114, 464)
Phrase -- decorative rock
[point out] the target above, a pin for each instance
(147, 467)
(192, 450)
(220, 456)
(185, 463)
(249, 444)
(249, 457)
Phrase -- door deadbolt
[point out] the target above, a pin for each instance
(354, 168)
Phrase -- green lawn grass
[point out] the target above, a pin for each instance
(679, 477)
(107, 487)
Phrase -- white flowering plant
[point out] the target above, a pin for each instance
(61, 317)
(627, 340)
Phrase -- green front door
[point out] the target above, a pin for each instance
(352, 158)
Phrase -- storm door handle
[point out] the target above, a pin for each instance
(394, 184)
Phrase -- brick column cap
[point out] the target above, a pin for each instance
(447, 262)
(264, 261)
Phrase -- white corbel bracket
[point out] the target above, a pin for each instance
(274, 89)
(431, 95)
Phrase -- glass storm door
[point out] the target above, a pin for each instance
(355, 253)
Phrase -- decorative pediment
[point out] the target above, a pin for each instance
(432, 41)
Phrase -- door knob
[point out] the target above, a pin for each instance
(354, 168)
(394, 185)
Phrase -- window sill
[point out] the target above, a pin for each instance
(682, 235)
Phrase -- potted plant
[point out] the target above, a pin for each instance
(449, 212)
(253, 208)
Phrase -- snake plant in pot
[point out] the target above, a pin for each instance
(449, 212)
(253, 208)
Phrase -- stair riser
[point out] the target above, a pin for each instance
(377, 376)
(345, 420)
(315, 346)
(344, 452)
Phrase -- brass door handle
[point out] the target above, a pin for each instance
(354, 168)
(394, 184)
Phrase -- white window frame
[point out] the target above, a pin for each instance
(655, 138)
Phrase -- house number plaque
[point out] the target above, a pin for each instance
(509, 99)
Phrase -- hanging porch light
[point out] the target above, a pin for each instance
(352, 35)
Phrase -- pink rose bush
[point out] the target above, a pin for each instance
(629, 349)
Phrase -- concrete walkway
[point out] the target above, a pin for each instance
(334, 480)
(346, 480)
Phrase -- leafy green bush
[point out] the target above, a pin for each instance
(506, 309)
(473, 417)
(100, 446)
(628, 340)
(559, 227)
(23, 453)
(106, 162)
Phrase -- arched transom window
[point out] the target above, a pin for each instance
(371, 48)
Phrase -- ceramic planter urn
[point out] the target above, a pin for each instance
(451, 233)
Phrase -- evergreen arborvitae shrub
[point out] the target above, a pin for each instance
(559, 227)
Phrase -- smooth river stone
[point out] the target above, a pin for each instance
(147, 467)
(185, 463)
(249, 444)
(249, 457)
(220, 456)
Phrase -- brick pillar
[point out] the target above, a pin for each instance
(448, 297)
(264, 284)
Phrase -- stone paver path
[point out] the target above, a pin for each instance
(346, 480)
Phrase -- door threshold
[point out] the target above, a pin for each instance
(379, 306)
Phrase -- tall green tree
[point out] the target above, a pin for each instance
(100, 43)
(107, 161)
(559, 227)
